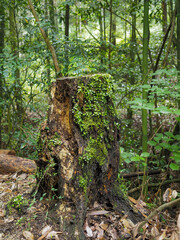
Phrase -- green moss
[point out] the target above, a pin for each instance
(93, 114)
(54, 141)
(93, 110)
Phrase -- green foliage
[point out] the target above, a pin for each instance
(17, 202)
(93, 116)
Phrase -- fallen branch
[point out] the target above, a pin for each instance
(11, 164)
(135, 174)
(156, 211)
(154, 185)
(7, 152)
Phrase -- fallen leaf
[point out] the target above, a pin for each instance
(178, 223)
(114, 234)
(174, 236)
(167, 195)
(45, 232)
(127, 223)
(87, 229)
(163, 236)
(133, 200)
(154, 231)
(104, 226)
(174, 194)
(100, 212)
(28, 235)
(52, 235)
(100, 232)
(2, 213)
(46, 229)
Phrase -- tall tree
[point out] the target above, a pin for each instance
(132, 52)
(2, 34)
(14, 39)
(178, 42)
(66, 46)
(144, 92)
(164, 15)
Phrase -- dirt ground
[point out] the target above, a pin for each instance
(24, 218)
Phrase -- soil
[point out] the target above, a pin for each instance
(19, 212)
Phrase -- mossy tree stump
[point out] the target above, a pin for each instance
(79, 151)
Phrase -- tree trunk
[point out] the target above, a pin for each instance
(66, 46)
(2, 33)
(14, 39)
(144, 93)
(132, 56)
(164, 16)
(79, 151)
(110, 32)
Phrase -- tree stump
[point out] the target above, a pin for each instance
(79, 151)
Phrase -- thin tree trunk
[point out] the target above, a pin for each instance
(46, 39)
(110, 33)
(178, 44)
(14, 39)
(132, 52)
(66, 47)
(114, 29)
(2, 35)
(144, 93)
(164, 16)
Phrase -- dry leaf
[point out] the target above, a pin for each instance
(2, 213)
(28, 235)
(174, 236)
(104, 226)
(114, 234)
(87, 229)
(178, 223)
(133, 200)
(100, 232)
(135, 230)
(163, 236)
(167, 195)
(46, 230)
(154, 231)
(1, 236)
(100, 212)
(174, 194)
(52, 235)
(127, 223)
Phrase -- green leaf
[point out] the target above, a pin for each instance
(152, 143)
(158, 147)
(174, 166)
(177, 112)
(145, 154)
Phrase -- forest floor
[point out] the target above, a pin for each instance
(21, 218)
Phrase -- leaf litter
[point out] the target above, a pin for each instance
(28, 222)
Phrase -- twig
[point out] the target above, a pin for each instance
(154, 185)
(135, 174)
(156, 211)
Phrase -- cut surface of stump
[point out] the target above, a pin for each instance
(79, 151)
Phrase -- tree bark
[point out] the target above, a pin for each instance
(66, 45)
(79, 151)
(11, 164)
(144, 92)
(2, 34)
